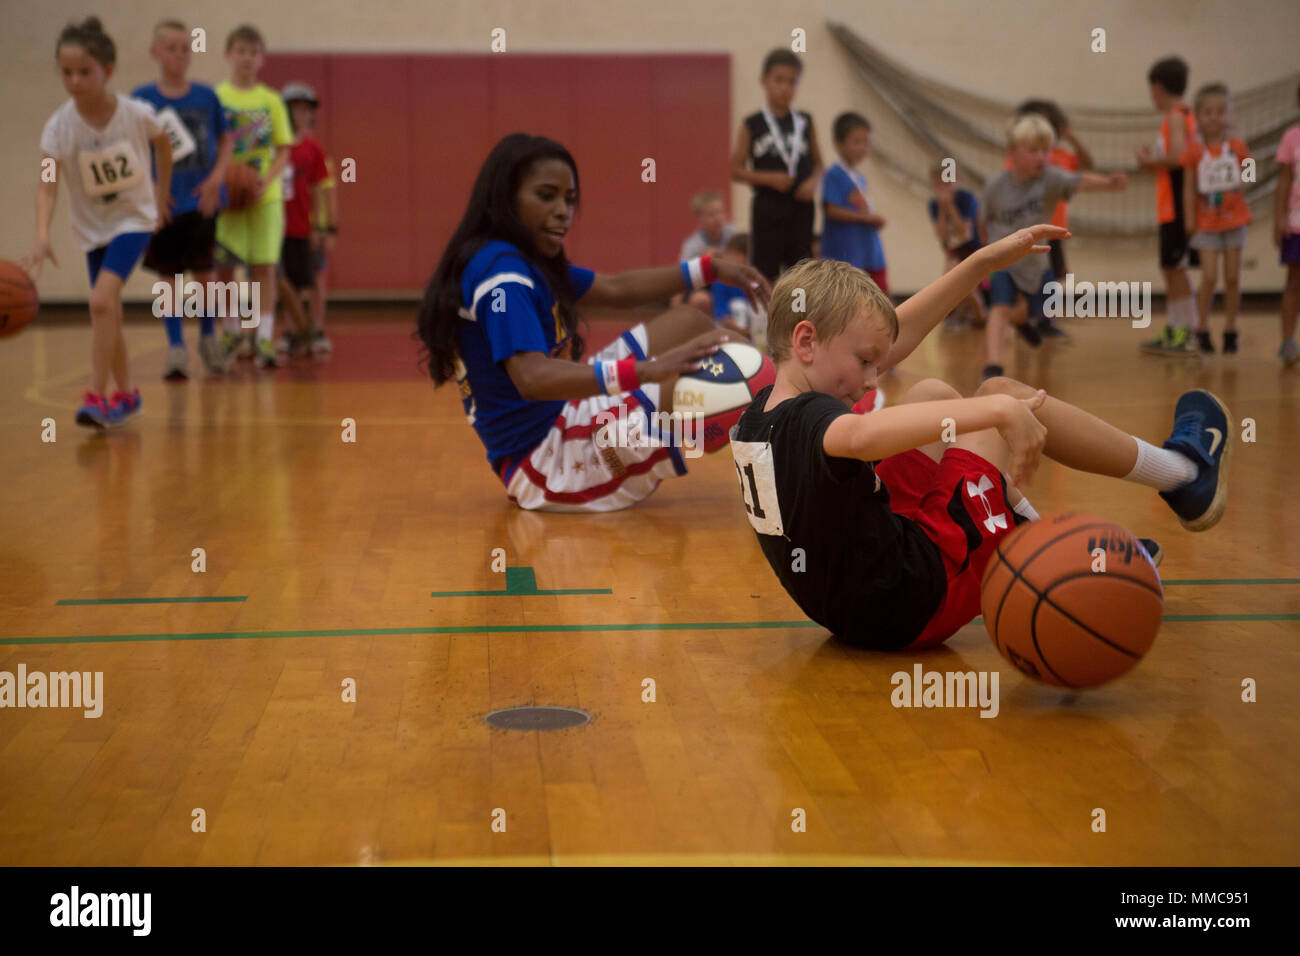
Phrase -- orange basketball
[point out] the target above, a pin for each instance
(18, 299)
(1065, 614)
(241, 185)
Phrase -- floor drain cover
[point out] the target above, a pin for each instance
(537, 718)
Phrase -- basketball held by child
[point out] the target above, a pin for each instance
(241, 186)
(18, 299)
(1072, 600)
(722, 388)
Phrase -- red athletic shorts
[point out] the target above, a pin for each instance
(960, 503)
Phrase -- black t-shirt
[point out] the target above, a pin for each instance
(764, 157)
(867, 575)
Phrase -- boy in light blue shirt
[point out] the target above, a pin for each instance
(851, 229)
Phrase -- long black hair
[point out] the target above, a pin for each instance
(491, 215)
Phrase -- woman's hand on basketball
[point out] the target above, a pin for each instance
(1025, 435)
(757, 289)
(34, 260)
(683, 358)
(1022, 243)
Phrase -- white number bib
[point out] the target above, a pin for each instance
(113, 169)
(1218, 175)
(182, 141)
(758, 485)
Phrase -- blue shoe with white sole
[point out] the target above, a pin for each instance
(1203, 431)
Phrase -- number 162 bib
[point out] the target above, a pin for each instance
(113, 169)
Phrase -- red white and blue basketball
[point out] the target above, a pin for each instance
(722, 388)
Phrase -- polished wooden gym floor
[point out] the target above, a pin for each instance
(329, 555)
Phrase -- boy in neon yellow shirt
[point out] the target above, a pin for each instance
(253, 235)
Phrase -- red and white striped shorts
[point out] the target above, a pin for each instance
(570, 470)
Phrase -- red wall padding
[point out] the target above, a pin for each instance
(420, 126)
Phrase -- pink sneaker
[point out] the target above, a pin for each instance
(95, 411)
(125, 404)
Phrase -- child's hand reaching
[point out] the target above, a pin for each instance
(1025, 435)
(1019, 244)
(684, 358)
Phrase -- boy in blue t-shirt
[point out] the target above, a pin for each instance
(851, 229)
(202, 144)
(731, 308)
(954, 214)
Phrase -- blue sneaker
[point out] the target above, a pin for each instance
(95, 411)
(1203, 431)
(125, 404)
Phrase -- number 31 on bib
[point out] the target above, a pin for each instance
(758, 485)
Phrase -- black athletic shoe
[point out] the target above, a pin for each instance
(990, 371)
(1029, 334)
(1050, 330)
(1229, 343)
(1153, 550)
(1203, 342)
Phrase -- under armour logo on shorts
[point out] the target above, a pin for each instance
(991, 521)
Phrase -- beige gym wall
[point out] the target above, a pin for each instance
(1006, 49)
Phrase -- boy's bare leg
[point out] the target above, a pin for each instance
(1209, 279)
(1290, 302)
(1000, 317)
(1075, 438)
(1231, 288)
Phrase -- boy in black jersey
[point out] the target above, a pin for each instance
(879, 528)
(776, 152)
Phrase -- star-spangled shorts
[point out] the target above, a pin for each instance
(582, 464)
(960, 503)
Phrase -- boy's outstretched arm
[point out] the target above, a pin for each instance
(911, 425)
(1097, 182)
(923, 311)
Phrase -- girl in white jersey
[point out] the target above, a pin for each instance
(98, 143)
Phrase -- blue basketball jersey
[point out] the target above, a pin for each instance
(195, 123)
(506, 307)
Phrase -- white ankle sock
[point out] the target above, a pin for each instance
(1025, 509)
(1182, 313)
(1160, 468)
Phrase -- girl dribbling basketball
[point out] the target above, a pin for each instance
(499, 317)
(99, 144)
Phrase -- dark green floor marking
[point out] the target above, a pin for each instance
(520, 582)
(519, 629)
(1175, 583)
(80, 602)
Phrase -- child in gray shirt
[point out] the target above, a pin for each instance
(1021, 196)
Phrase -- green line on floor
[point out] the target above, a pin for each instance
(520, 582)
(1185, 581)
(82, 602)
(520, 629)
